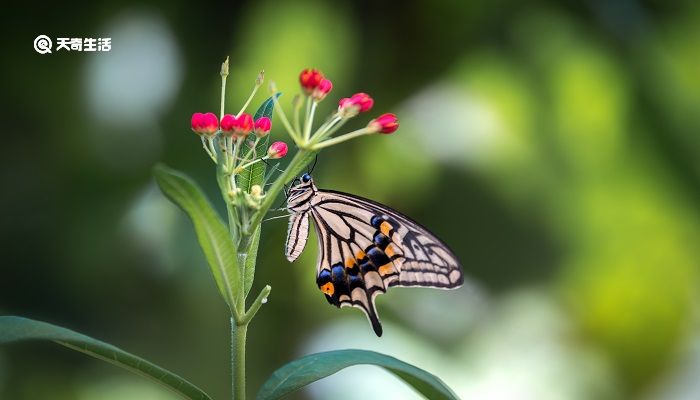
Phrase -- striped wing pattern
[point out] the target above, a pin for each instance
(365, 248)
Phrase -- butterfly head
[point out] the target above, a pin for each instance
(300, 193)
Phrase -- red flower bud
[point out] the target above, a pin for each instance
(385, 123)
(359, 102)
(244, 125)
(277, 150)
(310, 79)
(324, 87)
(228, 123)
(363, 101)
(262, 126)
(205, 124)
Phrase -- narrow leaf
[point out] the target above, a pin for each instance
(250, 261)
(311, 368)
(211, 232)
(255, 174)
(17, 329)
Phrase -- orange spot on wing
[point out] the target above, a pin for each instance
(349, 263)
(386, 228)
(389, 251)
(360, 255)
(386, 269)
(328, 289)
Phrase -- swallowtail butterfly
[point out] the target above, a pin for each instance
(365, 248)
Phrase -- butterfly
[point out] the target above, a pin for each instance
(365, 248)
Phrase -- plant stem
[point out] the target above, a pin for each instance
(259, 301)
(307, 120)
(247, 103)
(285, 121)
(340, 139)
(207, 148)
(309, 124)
(223, 92)
(329, 129)
(238, 341)
(246, 165)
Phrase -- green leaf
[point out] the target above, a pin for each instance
(250, 261)
(255, 174)
(211, 232)
(17, 329)
(311, 368)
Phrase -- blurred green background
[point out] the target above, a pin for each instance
(553, 145)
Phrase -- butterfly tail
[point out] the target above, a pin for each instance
(373, 319)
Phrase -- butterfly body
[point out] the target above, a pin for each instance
(365, 248)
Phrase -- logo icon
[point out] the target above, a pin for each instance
(43, 44)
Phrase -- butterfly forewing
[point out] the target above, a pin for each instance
(365, 248)
(297, 234)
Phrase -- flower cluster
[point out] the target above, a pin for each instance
(233, 141)
(315, 87)
(240, 127)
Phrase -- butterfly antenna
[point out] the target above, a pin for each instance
(277, 217)
(314, 164)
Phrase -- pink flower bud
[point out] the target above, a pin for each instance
(363, 101)
(324, 87)
(262, 126)
(385, 123)
(277, 150)
(344, 102)
(244, 125)
(228, 123)
(359, 102)
(205, 124)
(310, 79)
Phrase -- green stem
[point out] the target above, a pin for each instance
(238, 341)
(251, 151)
(307, 120)
(329, 129)
(247, 103)
(340, 139)
(285, 121)
(259, 301)
(309, 123)
(207, 148)
(246, 165)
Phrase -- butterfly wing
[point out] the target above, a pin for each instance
(366, 247)
(297, 234)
